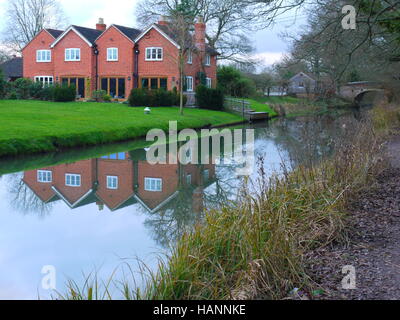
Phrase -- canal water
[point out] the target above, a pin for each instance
(93, 210)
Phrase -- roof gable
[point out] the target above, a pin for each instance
(52, 32)
(162, 31)
(86, 34)
(130, 33)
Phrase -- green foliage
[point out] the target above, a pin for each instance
(107, 98)
(64, 93)
(99, 95)
(23, 88)
(3, 85)
(207, 98)
(233, 83)
(154, 98)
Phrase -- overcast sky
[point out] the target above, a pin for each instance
(268, 44)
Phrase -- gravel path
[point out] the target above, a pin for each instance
(374, 243)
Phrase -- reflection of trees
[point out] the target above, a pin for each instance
(23, 199)
(171, 222)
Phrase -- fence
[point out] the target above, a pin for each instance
(238, 105)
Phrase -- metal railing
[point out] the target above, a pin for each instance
(240, 106)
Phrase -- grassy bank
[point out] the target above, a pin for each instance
(38, 126)
(256, 248)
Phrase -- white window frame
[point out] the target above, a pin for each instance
(189, 179)
(190, 88)
(190, 57)
(68, 52)
(43, 56)
(110, 182)
(208, 60)
(152, 50)
(44, 176)
(112, 54)
(45, 80)
(75, 176)
(149, 187)
(209, 82)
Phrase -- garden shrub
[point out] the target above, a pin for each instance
(99, 95)
(64, 93)
(154, 98)
(207, 98)
(23, 88)
(107, 98)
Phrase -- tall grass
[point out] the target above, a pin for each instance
(256, 248)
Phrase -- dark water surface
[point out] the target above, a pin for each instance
(87, 210)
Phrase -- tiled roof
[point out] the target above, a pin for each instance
(12, 68)
(55, 33)
(131, 33)
(90, 34)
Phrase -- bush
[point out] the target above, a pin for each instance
(47, 93)
(154, 98)
(99, 95)
(64, 93)
(3, 85)
(107, 98)
(23, 88)
(207, 98)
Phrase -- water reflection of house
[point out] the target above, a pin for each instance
(117, 181)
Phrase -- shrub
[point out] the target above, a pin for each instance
(23, 88)
(107, 98)
(47, 93)
(99, 95)
(207, 98)
(154, 98)
(64, 93)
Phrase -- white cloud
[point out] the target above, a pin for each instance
(269, 58)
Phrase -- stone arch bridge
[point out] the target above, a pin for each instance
(355, 91)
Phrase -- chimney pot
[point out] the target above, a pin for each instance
(163, 20)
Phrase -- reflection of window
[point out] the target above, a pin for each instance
(112, 54)
(46, 81)
(208, 82)
(115, 156)
(73, 180)
(154, 54)
(44, 176)
(154, 83)
(189, 179)
(112, 182)
(153, 184)
(189, 84)
(43, 56)
(301, 84)
(190, 57)
(206, 175)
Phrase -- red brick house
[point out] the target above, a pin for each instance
(117, 59)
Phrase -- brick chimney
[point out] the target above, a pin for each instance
(101, 25)
(163, 20)
(200, 34)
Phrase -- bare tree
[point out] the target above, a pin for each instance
(227, 22)
(26, 18)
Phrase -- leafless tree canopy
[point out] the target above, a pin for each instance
(26, 18)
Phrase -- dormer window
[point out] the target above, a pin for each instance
(208, 60)
(43, 56)
(72, 54)
(112, 54)
(154, 54)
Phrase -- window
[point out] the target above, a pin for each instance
(43, 56)
(46, 81)
(154, 83)
(189, 179)
(115, 156)
(301, 84)
(209, 82)
(112, 182)
(154, 54)
(73, 180)
(112, 54)
(115, 87)
(79, 84)
(153, 184)
(72, 54)
(190, 57)
(208, 60)
(44, 176)
(189, 84)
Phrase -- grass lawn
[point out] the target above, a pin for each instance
(283, 99)
(37, 126)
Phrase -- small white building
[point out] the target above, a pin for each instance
(302, 83)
